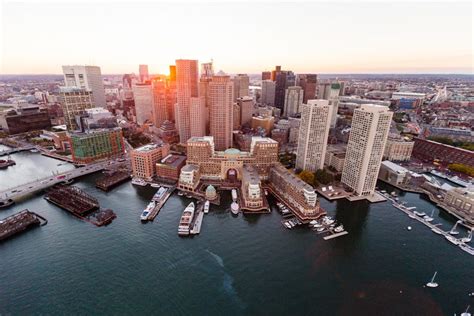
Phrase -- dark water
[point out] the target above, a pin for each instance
(244, 265)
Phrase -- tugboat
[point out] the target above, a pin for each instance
(234, 208)
(186, 219)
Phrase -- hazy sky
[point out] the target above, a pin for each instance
(321, 37)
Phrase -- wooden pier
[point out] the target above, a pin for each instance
(20, 222)
(107, 182)
(335, 235)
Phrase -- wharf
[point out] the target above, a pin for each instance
(335, 235)
(15, 150)
(196, 226)
(160, 203)
(54, 155)
(20, 222)
(107, 182)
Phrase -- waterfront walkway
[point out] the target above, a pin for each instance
(15, 150)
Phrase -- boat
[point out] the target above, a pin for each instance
(34, 150)
(466, 312)
(339, 229)
(467, 248)
(138, 181)
(432, 283)
(317, 225)
(186, 219)
(6, 203)
(436, 230)
(234, 195)
(453, 240)
(411, 215)
(409, 227)
(234, 208)
(180, 193)
(4, 164)
(453, 230)
(420, 214)
(287, 225)
(146, 212)
(393, 193)
(159, 194)
(206, 207)
(328, 221)
(429, 218)
(155, 185)
(266, 192)
(320, 229)
(468, 238)
(313, 222)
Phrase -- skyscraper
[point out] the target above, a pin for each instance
(198, 116)
(160, 109)
(186, 88)
(367, 138)
(241, 86)
(313, 135)
(266, 75)
(284, 79)
(308, 82)
(268, 92)
(221, 111)
(143, 94)
(293, 100)
(74, 102)
(86, 77)
(207, 71)
(143, 72)
(246, 110)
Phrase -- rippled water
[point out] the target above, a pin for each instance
(237, 265)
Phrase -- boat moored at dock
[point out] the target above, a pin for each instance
(147, 211)
(138, 181)
(207, 206)
(234, 208)
(234, 195)
(186, 219)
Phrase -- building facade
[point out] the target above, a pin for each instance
(313, 135)
(143, 94)
(96, 144)
(197, 112)
(169, 167)
(241, 86)
(268, 92)
(186, 88)
(221, 110)
(398, 149)
(145, 158)
(367, 139)
(309, 84)
(74, 102)
(293, 100)
(431, 151)
(246, 110)
(461, 202)
(88, 78)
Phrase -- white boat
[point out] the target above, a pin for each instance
(339, 229)
(317, 225)
(159, 194)
(468, 238)
(432, 283)
(313, 222)
(146, 212)
(234, 195)
(453, 240)
(436, 230)
(320, 229)
(266, 192)
(429, 218)
(206, 207)
(453, 230)
(466, 312)
(138, 181)
(421, 214)
(409, 227)
(155, 185)
(186, 219)
(34, 150)
(328, 221)
(180, 193)
(234, 208)
(287, 225)
(411, 216)
(393, 193)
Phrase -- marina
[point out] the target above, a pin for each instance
(20, 222)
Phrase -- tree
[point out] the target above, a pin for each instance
(323, 177)
(462, 168)
(307, 177)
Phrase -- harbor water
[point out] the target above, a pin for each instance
(237, 265)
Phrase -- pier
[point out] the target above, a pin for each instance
(79, 204)
(197, 222)
(20, 222)
(15, 150)
(160, 203)
(107, 182)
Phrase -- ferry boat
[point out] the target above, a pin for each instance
(234, 195)
(186, 219)
(159, 194)
(206, 207)
(138, 181)
(146, 212)
(234, 208)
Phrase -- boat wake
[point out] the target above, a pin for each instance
(218, 259)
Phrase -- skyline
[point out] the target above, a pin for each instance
(402, 38)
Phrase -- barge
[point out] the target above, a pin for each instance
(109, 181)
(20, 222)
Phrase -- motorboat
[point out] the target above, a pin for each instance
(180, 193)
(420, 214)
(159, 194)
(466, 312)
(432, 283)
(234, 208)
(317, 225)
(207, 205)
(138, 181)
(339, 229)
(147, 211)
(409, 228)
(155, 185)
(468, 238)
(234, 195)
(436, 230)
(287, 225)
(320, 229)
(453, 240)
(429, 218)
(186, 219)
(313, 222)
(411, 216)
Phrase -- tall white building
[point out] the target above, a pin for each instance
(313, 135)
(221, 95)
(241, 86)
(143, 94)
(268, 92)
(86, 77)
(198, 116)
(367, 139)
(293, 100)
(186, 88)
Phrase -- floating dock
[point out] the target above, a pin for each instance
(160, 203)
(79, 204)
(107, 182)
(335, 235)
(20, 222)
(196, 228)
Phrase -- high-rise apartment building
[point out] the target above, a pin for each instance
(221, 110)
(308, 82)
(86, 77)
(268, 92)
(143, 72)
(283, 80)
(367, 139)
(293, 100)
(198, 116)
(246, 110)
(74, 102)
(160, 102)
(241, 86)
(313, 135)
(207, 71)
(143, 94)
(186, 88)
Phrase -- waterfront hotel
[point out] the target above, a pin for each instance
(252, 171)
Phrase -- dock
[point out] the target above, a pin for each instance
(20, 222)
(160, 203)
(335, 235)
(80, 204)
(196, 229)
(109, 181)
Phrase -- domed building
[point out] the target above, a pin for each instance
(211, 193)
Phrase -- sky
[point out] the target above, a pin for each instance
(38, 37)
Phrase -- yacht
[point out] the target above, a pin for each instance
(432, 283)
(206, 207)
(234, 195)
(421, 214)
(453, 240)
(159, 194)
(317, 225)
(328, 221)
(409, 228)
(287, 225)
(186, 219)
(146, 212)
(138, 181)
(234, 208)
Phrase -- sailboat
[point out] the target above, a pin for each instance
(429, 218)
(432, 283)
(453, 230)
(468, 238)
(466, 313)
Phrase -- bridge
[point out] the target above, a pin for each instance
(41, 184)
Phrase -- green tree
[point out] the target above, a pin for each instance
(307, 176)
(323, 176)
(462, 168)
